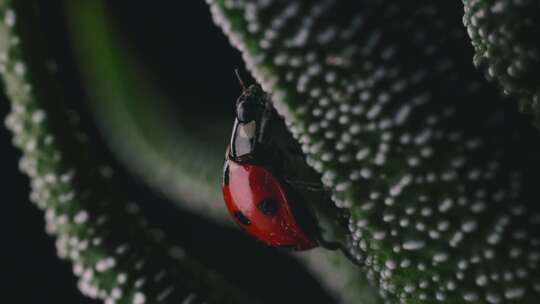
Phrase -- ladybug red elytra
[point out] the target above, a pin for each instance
(257, 196)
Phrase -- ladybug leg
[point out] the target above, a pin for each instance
(307, 185)
(292, 176)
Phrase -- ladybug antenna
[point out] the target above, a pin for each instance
(240, 79)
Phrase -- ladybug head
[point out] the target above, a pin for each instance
(251, 104)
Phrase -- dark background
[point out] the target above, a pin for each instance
(188, 54)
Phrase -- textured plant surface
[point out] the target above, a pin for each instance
(115, 254)
(505, 38)
(388, 111)
(436, 170)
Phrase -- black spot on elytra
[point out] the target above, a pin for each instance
(242, 218)
(268, 207)
(226, 174)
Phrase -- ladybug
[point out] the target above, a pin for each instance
(256, 191)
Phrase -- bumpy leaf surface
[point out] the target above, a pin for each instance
(115, 254)
(505, 34)
(436, 171)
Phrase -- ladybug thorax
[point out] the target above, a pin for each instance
(259, 204)
(252, 114)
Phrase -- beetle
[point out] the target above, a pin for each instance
(256, 190)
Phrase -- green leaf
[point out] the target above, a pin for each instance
(433, 167)
(341, 277)
(177, 155)
(505, 38)
(164, 152)
(115, 254)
